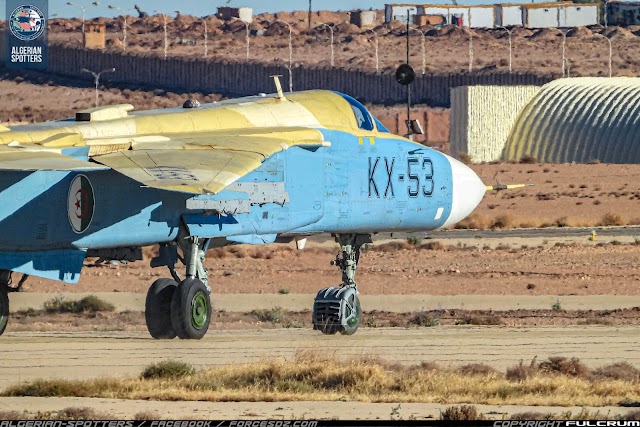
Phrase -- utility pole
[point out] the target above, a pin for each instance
(309, 16)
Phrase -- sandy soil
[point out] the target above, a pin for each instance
(127, 409)
(549, 270)
(95, 354)
(446, 49)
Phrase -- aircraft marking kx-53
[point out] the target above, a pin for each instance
(253, 170)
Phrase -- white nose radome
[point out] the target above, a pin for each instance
(467, 192)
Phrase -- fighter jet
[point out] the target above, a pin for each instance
(254, 170)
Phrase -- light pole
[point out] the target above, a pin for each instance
(290, 78)
(206, 37)
(375, 36)
(470, 34)
(96, 77)
(290, 49)
(424, 51)
(470, 51)
(610, 51)
(124, 27)
(564, 57)
(510, 48)
(330, 29)
(82, 8)
(164, 26)
(246, 24)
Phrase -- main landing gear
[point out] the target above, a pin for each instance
(337, 309)
(7, 286)
(177, 307)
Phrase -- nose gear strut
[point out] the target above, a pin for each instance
(337, 309)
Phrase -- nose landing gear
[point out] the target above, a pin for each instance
(337, 309)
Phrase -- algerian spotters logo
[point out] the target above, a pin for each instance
(80, 203)
(27, 22)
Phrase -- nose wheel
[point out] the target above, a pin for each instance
(337, 309)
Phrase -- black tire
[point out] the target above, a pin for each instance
(191, 309)
(4, 308)
(157, 309)
(329, 328)
(351, 329)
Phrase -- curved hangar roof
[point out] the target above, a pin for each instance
(580, 120)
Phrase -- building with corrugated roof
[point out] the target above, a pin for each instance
(579, 120)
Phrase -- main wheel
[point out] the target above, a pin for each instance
(352, 315)
(157, 309)
(4, 307)
(191, 309)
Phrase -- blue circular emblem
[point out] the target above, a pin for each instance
(27, 22)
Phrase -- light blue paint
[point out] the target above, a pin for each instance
(61, 265)
(390, 185)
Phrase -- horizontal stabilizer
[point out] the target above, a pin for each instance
(63, 265)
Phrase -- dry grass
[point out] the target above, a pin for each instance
(313, 377)
(90, 303)
(611, 219)
(473, 222)
(461, 413)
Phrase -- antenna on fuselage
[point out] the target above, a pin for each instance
(276, 80)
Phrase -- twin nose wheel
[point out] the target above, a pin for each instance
(337, 309)
(182, 310)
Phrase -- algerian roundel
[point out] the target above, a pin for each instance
(80, 203)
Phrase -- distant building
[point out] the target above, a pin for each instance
(399, 12)
(530, 15)
(363, 18)
(554, 15)
(623, 13)
(242, 13)
(94, 36)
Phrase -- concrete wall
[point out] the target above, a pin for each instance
(241, 79)
(482, 118)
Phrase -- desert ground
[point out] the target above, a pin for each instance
(446, 48)
(471, 296)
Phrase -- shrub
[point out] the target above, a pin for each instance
(571, 367)
(425, 319)
(528, 159)
(476, 369)
(611, 219)
(618, 371)
(461, 413)
(273, 315)
(90, 303)
(168, 369)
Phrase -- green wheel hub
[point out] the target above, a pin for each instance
(356, 313)
(199, 310)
